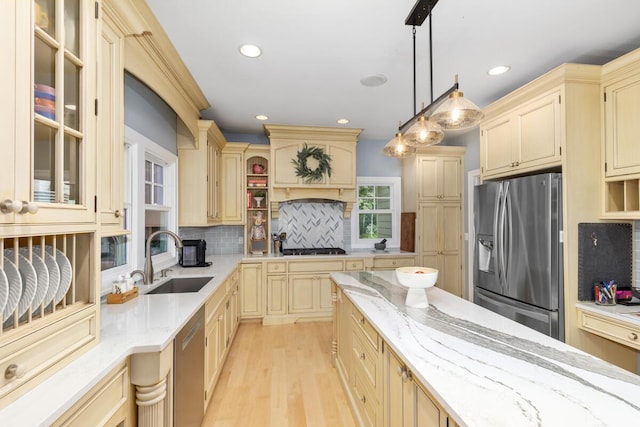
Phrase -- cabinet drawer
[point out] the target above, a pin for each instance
(309, 266)
(214, 301)
(365, 360)
(366, 402)
(389, 262)
(36, 353)
(276, 267)
(368, 332)
(354, 265)
(101, 403)
(610, 329)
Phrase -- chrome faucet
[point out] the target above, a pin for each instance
(148, 264)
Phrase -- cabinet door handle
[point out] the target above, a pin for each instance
(363, 356)
(10, 206)
(401, 370)
(633, 336)
(14, 371)
(362, 321)
(117, 213)
(363, 399)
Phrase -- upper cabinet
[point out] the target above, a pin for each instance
(200, 172)
(48, 117)
(288, 146)
(524, 138)
(111, 128)
(621, 96)
(232, 196)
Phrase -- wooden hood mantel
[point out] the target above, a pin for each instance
(339, 143)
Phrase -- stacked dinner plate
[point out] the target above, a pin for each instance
(42, 191)
(32, 280)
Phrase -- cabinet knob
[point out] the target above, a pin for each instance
(28, 207)
(117, 213)
(362, 321)
(10, 206)
(400, 370)
(363, 399)
(14, 371)
(363, 356)
(633, 336)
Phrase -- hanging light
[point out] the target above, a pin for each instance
(424, 132)
(398, 147)
(457, 112)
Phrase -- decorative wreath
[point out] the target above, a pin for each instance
(310, 175)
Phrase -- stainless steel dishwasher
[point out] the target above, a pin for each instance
(188, 374)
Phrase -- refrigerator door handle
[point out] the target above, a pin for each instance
(497, 231)
(501, 234)
(508, 233)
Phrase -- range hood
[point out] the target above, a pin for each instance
(287, 142)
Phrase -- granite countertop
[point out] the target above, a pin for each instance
(486, 370)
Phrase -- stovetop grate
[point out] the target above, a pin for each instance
(314, 251)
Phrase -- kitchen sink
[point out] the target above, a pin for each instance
(180, 285)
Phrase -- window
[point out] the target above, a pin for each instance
(150, 205)
(376, 215)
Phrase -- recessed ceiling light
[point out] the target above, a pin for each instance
(250, 50)
(343, 121)
(373, 80)
(500, 69)
(262, 117)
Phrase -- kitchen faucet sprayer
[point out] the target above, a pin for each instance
(148, 264)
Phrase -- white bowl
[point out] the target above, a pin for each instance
(417, 280)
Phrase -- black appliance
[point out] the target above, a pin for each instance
(193, 253)
(314, 251)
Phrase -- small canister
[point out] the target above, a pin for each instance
(605, 294)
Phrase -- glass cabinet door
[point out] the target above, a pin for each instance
(61, 81)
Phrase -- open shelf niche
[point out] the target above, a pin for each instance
(257, 204)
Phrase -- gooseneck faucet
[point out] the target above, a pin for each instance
(148, 264)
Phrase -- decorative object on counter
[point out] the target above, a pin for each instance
(604, 251)
(623, 294)
(380, 246)
(258, 234)
(408, 231)
(122, 297)
(277, 242)
(605, 293)
(417, 280)
(303, 170)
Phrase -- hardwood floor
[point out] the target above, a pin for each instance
(280, 376)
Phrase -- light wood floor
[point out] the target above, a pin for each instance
(280, 376)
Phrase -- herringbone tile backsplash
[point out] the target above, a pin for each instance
(312, 224)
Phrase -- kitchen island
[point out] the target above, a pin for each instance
(486, 370)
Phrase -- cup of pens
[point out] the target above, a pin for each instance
(605, 292)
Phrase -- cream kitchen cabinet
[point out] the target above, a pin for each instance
(110, 403)
(277, 300)
(406, 402)
(621, 87)
(232, 187)
(610, 328)
(251, 303)
(393, 262)
(343, 334)
(524, 139)
(111, 128)
(200, 172)
(310, 294)
(438, 177)
(440, 243)
(48, 119)
(339, 143)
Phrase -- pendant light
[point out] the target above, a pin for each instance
(424, 132)
(457, 112)
(398, 147)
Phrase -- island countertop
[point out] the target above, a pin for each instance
(486, 370)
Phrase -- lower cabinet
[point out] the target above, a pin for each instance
(379, 385)
(251, 305)
(110, 403)
(277, 294)
(310, 293)
(391, 263)
(222, 316)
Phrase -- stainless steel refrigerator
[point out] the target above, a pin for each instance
(518, 270)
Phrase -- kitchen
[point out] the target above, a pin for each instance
(222, 227)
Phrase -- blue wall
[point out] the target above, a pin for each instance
(371, 161)
(148, 114)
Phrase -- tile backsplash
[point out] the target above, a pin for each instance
(311, 224)
(221, 240)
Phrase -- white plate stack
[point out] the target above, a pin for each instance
(42, 191)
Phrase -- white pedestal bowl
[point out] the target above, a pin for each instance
(417, 280)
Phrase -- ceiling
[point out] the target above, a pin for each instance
(316, 52)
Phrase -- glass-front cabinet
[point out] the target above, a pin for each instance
(54, 94)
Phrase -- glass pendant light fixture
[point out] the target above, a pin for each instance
(398, 147)
(424, 132)
(457, 112)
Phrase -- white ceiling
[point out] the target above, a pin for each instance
(316, 52)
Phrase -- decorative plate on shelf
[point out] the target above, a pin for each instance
(65, 273)
(29, 280)
(42, 274)
(15, 288)
(54, 275)
(4, 290)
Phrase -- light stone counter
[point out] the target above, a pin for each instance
(486, 370)
(629, 314)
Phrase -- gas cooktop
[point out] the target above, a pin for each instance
(314, 251)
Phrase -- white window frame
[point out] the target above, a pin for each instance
(396, 208)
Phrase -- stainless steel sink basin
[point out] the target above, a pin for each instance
(180, 285)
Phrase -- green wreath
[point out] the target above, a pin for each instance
(310, 175)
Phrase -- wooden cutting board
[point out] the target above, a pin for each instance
(408, 231)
